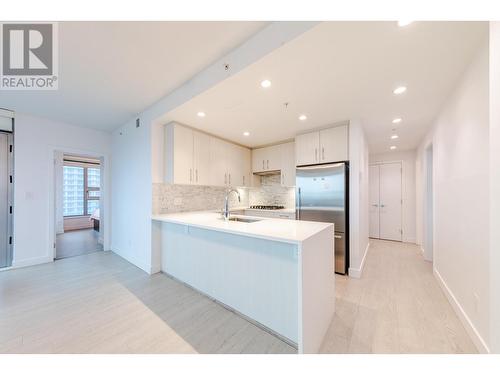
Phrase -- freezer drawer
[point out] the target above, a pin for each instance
(340, 253)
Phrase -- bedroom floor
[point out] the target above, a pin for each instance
(77, 242)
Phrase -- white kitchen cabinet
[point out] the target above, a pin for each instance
(218, 162)
(201, 158)
(306, 148)
(324, 146)
(193, 157)
(266, 159)
(334, 144)
(179, 154)
(288, 164)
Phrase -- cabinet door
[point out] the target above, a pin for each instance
(183, 155)
(307, 148)
(273, 158)
(218, 163)
(234, 165)
(334, 144)
(259, 157)
(201, 162)
(246, 167)
(288, 164)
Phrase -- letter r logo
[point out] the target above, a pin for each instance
(27, 49)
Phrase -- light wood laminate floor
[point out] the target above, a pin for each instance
(77, 242)
(100, 303)
(396, 307)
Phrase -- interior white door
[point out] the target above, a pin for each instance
(374, 183)
(390, 201)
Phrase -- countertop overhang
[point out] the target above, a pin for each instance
(282, 230)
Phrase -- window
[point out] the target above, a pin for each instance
(81, 189)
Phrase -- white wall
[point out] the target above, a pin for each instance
(358, 198)
(137, 152)
(494, 71)
(35, 140)
(408, 159)
(460, 139)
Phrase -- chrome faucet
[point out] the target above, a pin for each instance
(225, 211)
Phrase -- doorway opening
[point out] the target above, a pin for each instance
(385, 194)
(78, 205)
(429, 206)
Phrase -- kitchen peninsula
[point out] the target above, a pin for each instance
(277, 273)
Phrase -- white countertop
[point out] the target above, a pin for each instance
(292, 231)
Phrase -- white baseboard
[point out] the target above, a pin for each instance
(357, 272)
(469, 327)
(31, 262)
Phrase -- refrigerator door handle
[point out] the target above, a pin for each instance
(298, 204)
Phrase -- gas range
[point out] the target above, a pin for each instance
(262, 207)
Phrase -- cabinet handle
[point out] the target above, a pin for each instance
(243, 180)
(225, 178)
(196, 174)
(190, 175)
(268, 164)
(315, 154)
(338, 237)
(263, 167)
(323, 152)
(229, 178)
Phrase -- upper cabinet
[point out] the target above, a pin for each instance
(276, 159)
(266, 159)
(288, 164)
(197, 158)
(324, 146)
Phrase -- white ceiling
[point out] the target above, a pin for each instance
(111, 71)
(339, 71)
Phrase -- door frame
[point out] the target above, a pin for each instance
(400, 162)
(105, 212)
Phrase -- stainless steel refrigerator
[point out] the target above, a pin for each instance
(323, 195)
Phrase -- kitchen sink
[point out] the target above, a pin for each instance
(243, 219)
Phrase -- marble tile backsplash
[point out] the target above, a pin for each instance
(272, 193)
(169, 198)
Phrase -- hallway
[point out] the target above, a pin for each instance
(396, 307)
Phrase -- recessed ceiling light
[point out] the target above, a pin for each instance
(201, 114)
(404, 23)
(393, 147)
(265, 83)
(246, 134)
(399, 90)
(397, 120)
(302, 117)
(394, 136)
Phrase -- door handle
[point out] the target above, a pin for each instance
(382, 205)
(375, 205)
(298, 204)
